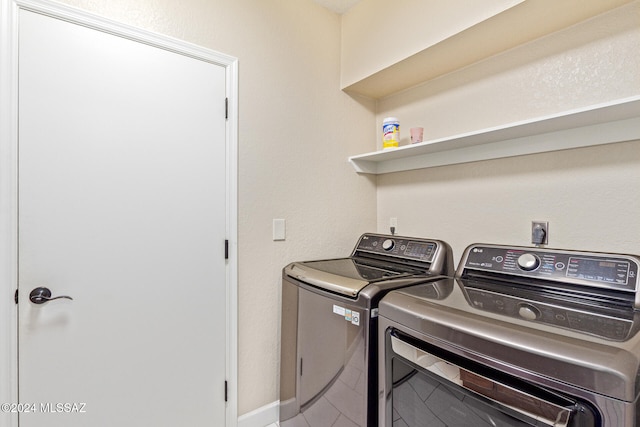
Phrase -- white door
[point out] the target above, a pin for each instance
(122, 208)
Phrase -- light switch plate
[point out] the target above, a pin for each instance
(279, 232)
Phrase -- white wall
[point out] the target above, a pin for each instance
(590, 196)
(296, 131)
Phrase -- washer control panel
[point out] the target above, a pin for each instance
(398, 247)
(585, 268)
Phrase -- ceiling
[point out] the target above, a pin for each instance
(338, 6)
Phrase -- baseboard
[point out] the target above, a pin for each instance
(261, 417)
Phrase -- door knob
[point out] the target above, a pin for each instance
(42, 295)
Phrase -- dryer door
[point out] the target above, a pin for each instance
(428, 383)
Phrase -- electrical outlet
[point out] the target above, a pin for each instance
(393, 223)
(539, 232)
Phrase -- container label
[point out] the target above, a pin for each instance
(390, 135)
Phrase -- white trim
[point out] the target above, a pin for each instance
(9, 185)
(266, 415)
(232, 235)
(8, 211)
(78, 16)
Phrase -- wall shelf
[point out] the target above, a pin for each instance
(605, 123)
(524, 21)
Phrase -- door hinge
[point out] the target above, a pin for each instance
(15, 296)
(226, 249)
(226, 391)
(226, 108)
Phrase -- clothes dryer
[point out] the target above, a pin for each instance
(521, 337)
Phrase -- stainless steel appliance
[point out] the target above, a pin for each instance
(521, 337)
(328, 372)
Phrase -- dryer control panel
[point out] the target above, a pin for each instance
(593, 269)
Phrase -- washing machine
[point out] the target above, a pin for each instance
(329, 335)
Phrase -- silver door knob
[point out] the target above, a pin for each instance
(42, 295)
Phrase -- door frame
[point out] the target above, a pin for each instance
(9, 10)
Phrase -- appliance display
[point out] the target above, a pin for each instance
(329, 336)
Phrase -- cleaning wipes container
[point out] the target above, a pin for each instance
(390, 133)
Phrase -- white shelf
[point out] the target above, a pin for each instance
(523, 21)
(605, 123)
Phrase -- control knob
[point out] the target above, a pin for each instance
(528, 262)
(528, 311)
(388, 244)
